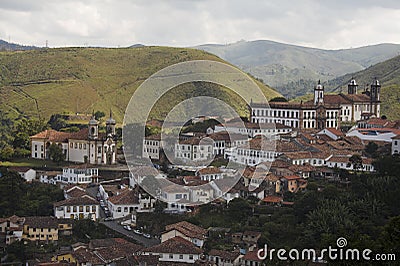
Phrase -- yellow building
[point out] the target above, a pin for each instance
(40, 229)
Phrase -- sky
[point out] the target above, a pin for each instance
(322, 24)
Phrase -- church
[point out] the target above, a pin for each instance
(324, 111)
(84, 146)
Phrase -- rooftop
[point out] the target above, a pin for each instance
(176, 245)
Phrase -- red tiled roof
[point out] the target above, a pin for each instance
(188, 229)
(292, 177)
(175, 245)
(272, 199)
(252, 256)
(125, 197)
(336, 132)
(209, 170)
(85, 200)
(225, 255)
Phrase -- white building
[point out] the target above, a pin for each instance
(373, 134)
(343, 162)
(210, 173)
(79, 174)
(26, 173)
(324, 111)
(253, 129)
(193, 233)
(175, 250)
(84, 207)
(151, 146)
(396, 145)
(85, 146)
(254, 152)
(194, 149)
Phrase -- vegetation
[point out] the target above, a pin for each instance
(43, 82)
(366, 213)
(56, 153)
(26, 199)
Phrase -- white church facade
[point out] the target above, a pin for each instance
(324, 111)
(84, 146)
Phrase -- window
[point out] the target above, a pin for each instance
(180, 256)
(171, 256)
(87, 208)
(81, 208)
(35, 147)
(98, 149)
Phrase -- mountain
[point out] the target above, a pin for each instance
(6, 46)
(78, 80)
(292, 69)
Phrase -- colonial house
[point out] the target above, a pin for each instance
(175, 250)
(343, 162)
(324, 111)
(194, 149)
(396, 145)
(210, 173)
(26, 173)
(151, 146)
(186, 230)
(80, 174)
(39, 228)
(84, 207)
(256, 151)
(253, 129)
(123, 203)
(225, 258)
(12, 228)
(251, 259)
(293, 183)
(84, 146)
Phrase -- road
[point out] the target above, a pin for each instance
(138, 238)
(92, 191)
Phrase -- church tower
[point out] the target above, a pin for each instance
(319, 94)
(93, 128)
(110, 125)
(352, 86)
(375, 91)
(375, 97)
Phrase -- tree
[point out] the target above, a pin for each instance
(99, 114)
(57, 122)
(371, 149)
(6, 153)
(56, 153)
(278, 99)
(356, 161)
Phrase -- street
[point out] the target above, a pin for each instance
(140, 239)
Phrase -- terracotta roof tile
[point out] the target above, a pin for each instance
(188, 229)
(125, 197)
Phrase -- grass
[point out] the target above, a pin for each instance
(68, 80)
(34, 163)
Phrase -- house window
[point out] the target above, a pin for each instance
(80, 208)
(71, 145)
(171, 256)
(119, 209)
(84, 146)
(125, 209)
(80, 146)
(180, 256)
(35, 147)
(190, 257)
(87, 208)
(99, 150)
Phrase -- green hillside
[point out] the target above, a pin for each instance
(78, 80)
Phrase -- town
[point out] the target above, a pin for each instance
(321, 146)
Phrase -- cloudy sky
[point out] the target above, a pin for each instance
(323, 24)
